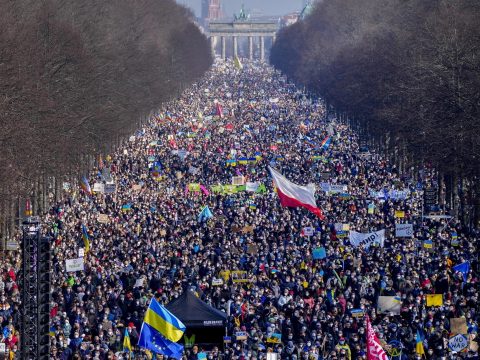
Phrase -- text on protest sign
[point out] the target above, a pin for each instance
(73, 265)
(366, 240)
(403, 230)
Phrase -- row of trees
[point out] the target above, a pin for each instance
(77, 77)
(408, 72)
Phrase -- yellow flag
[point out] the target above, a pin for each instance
(399, 214)
(237, 63)
(434, 300)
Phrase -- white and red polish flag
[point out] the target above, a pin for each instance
(374, 349)
(293, 195)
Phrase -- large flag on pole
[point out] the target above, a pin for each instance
(86, 239)
(205, 214)
(237, 63)
(374, 349)
(419, 349)
(293, 195)
(219, 111)
(85, 186)
(463, 268)
(161, 330)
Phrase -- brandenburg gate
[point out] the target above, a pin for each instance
(241, 28)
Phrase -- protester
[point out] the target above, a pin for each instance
(146, 238)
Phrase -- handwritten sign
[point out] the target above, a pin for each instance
(458, 342)
(458, 326)
(403, 230)
(308, 231)
(73, 265)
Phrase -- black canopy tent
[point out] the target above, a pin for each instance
(201, 319)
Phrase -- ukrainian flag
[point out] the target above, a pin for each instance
(164, 322)
(419, 346)
(127, 345)
(86, 239)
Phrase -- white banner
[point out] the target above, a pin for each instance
(252, 186)
(334, 188)
(99, 188)
(365, 240)
(404, 230)
(74, 265)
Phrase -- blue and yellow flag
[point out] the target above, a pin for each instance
(419, 344)
(152, 340)
(86, 239)
(163, 321)
(205, 214)
(127, 345)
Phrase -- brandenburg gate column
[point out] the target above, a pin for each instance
(262, 48)
(250, 47)
(235, 46)
(213, 42)
(224, 41)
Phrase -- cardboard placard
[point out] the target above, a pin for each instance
(11, 245)
(73, 265)
(247, 229)
(389, 304)
(458, 343)
(103, 218)
(308, 231)
(252, 249)
(239, 276)
(458, 326)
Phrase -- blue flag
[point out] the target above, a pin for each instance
(152, 340)
(205, 214)
(464, 268)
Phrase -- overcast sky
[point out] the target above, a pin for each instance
(268, 7)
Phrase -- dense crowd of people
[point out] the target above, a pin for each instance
(146, 238)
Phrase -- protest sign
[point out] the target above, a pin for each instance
(272, 356)
(357, 313)
(458, 326)
(238, 180)
(319, 253)
(99, 187)
(81, 252)
(73, 265)
(275, 338)
(239, 276)
(399, 214)
(137, 187)
(458, 343)
(252, 249)
(241, 335)
(252, 186)
(308, 231)
(403, 230)
(335, 188)
(217, 282)
(434, 299)
(247, 229)
(427, 244)
(366, 240)
(11, 245)
(389, 304)
(110, 188)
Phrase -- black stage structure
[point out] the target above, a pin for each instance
(35, 289)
